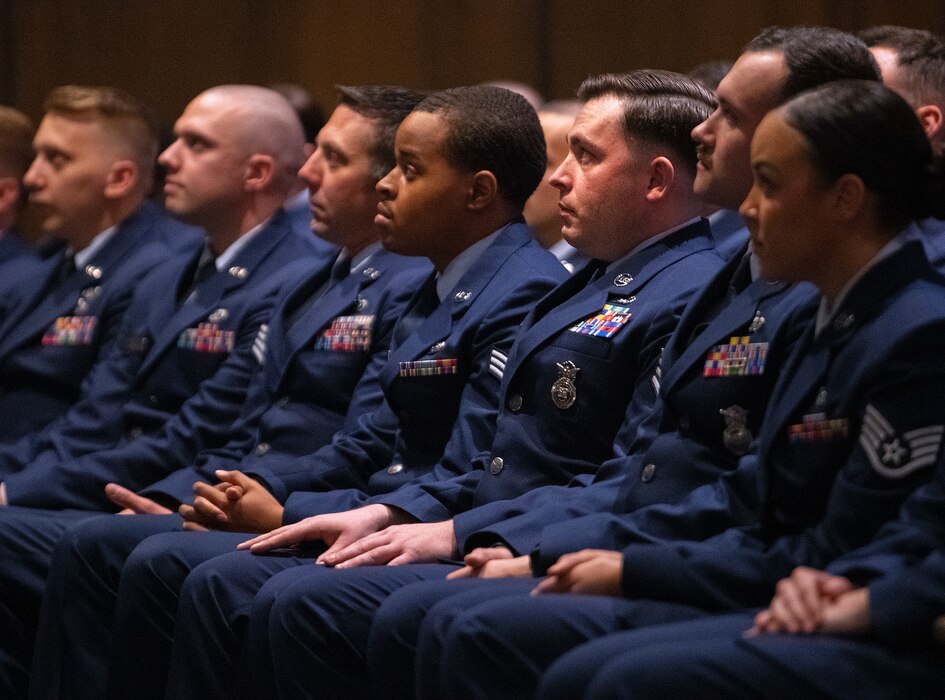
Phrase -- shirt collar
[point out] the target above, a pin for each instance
(459, 265)
(85, 255)
(226, 257)
(653, 240)
(827, 311)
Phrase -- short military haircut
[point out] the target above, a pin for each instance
(388, 105)
(124, 116)
(816, 55)
(660, 107)
(920, 57)
(16, 142)
(710, 73)
(491, 128)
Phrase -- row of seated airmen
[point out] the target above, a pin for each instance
(412, 456)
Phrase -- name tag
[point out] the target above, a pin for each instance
(428, 368)
(816, 427)
(207, 337)
(605, 323)
(736, 359)
(71, 330)
(347, 333)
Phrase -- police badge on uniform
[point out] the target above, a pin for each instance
(563, 391)
(736, 436)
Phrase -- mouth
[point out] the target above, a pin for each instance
(384, 214)
(703, 158)
(170, 185)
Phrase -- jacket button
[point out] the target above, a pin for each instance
(649, 471)
(135, 433)
(283, 402)
(153, 400)
(395, 468)
(262, 448)
(515, 402)
(684, 422)
(496, 466)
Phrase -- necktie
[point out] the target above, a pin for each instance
(205, 270)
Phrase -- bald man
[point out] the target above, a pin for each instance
(182, 359)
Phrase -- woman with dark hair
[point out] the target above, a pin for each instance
(855, 427)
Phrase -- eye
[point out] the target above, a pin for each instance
(57, 160)
(409, 170)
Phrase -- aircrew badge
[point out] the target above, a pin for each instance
(563, 391)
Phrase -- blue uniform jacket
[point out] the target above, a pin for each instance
(53, 329)
(317, 374)
(679, 446)
(579, 358)
(166, 353)
(441, 399)
(854, 426)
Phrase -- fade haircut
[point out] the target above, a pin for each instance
(388, 106)
(816, 55)
(491, 128)
(920, 58)
(124, 117)
(16, 142)
(659, 107)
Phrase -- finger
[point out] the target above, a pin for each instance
(549, 584)
(126, 511)
(378, 556)
(481, 555)
(210, 493)
(235, 477)
(234, 493)
(569, 561)
(785, 616)
(119, 495)
(283, 537)
(186, 512)
(207, 510)
(328, 556)
(196, 527)
(462, 572)
(835, 586)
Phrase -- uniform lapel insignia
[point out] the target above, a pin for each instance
(893, 454)
(757, 322)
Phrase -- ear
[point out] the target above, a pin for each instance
(9, 191)
(931, 118)
(849, 197)
(483, 191)
(662, 176)
(121, 179)
(260, 171)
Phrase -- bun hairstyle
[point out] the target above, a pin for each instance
(864, 128)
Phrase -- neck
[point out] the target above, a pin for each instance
(112, 215)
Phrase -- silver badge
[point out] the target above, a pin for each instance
(821, 401)
(437, 347)
(757, 322)
(361, 303)
(371, 273)
(462, 295)
(93, 272)
(218, 316)
(736, 437)
(238, 272)
(623, 279)
(563, 391)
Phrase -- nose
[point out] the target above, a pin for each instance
(700, 132)
(749, 207)
(386, 187)
(33, 179)
(311, 171)
(169, 158)
(560, 179)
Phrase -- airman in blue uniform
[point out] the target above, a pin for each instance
(60, 314)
